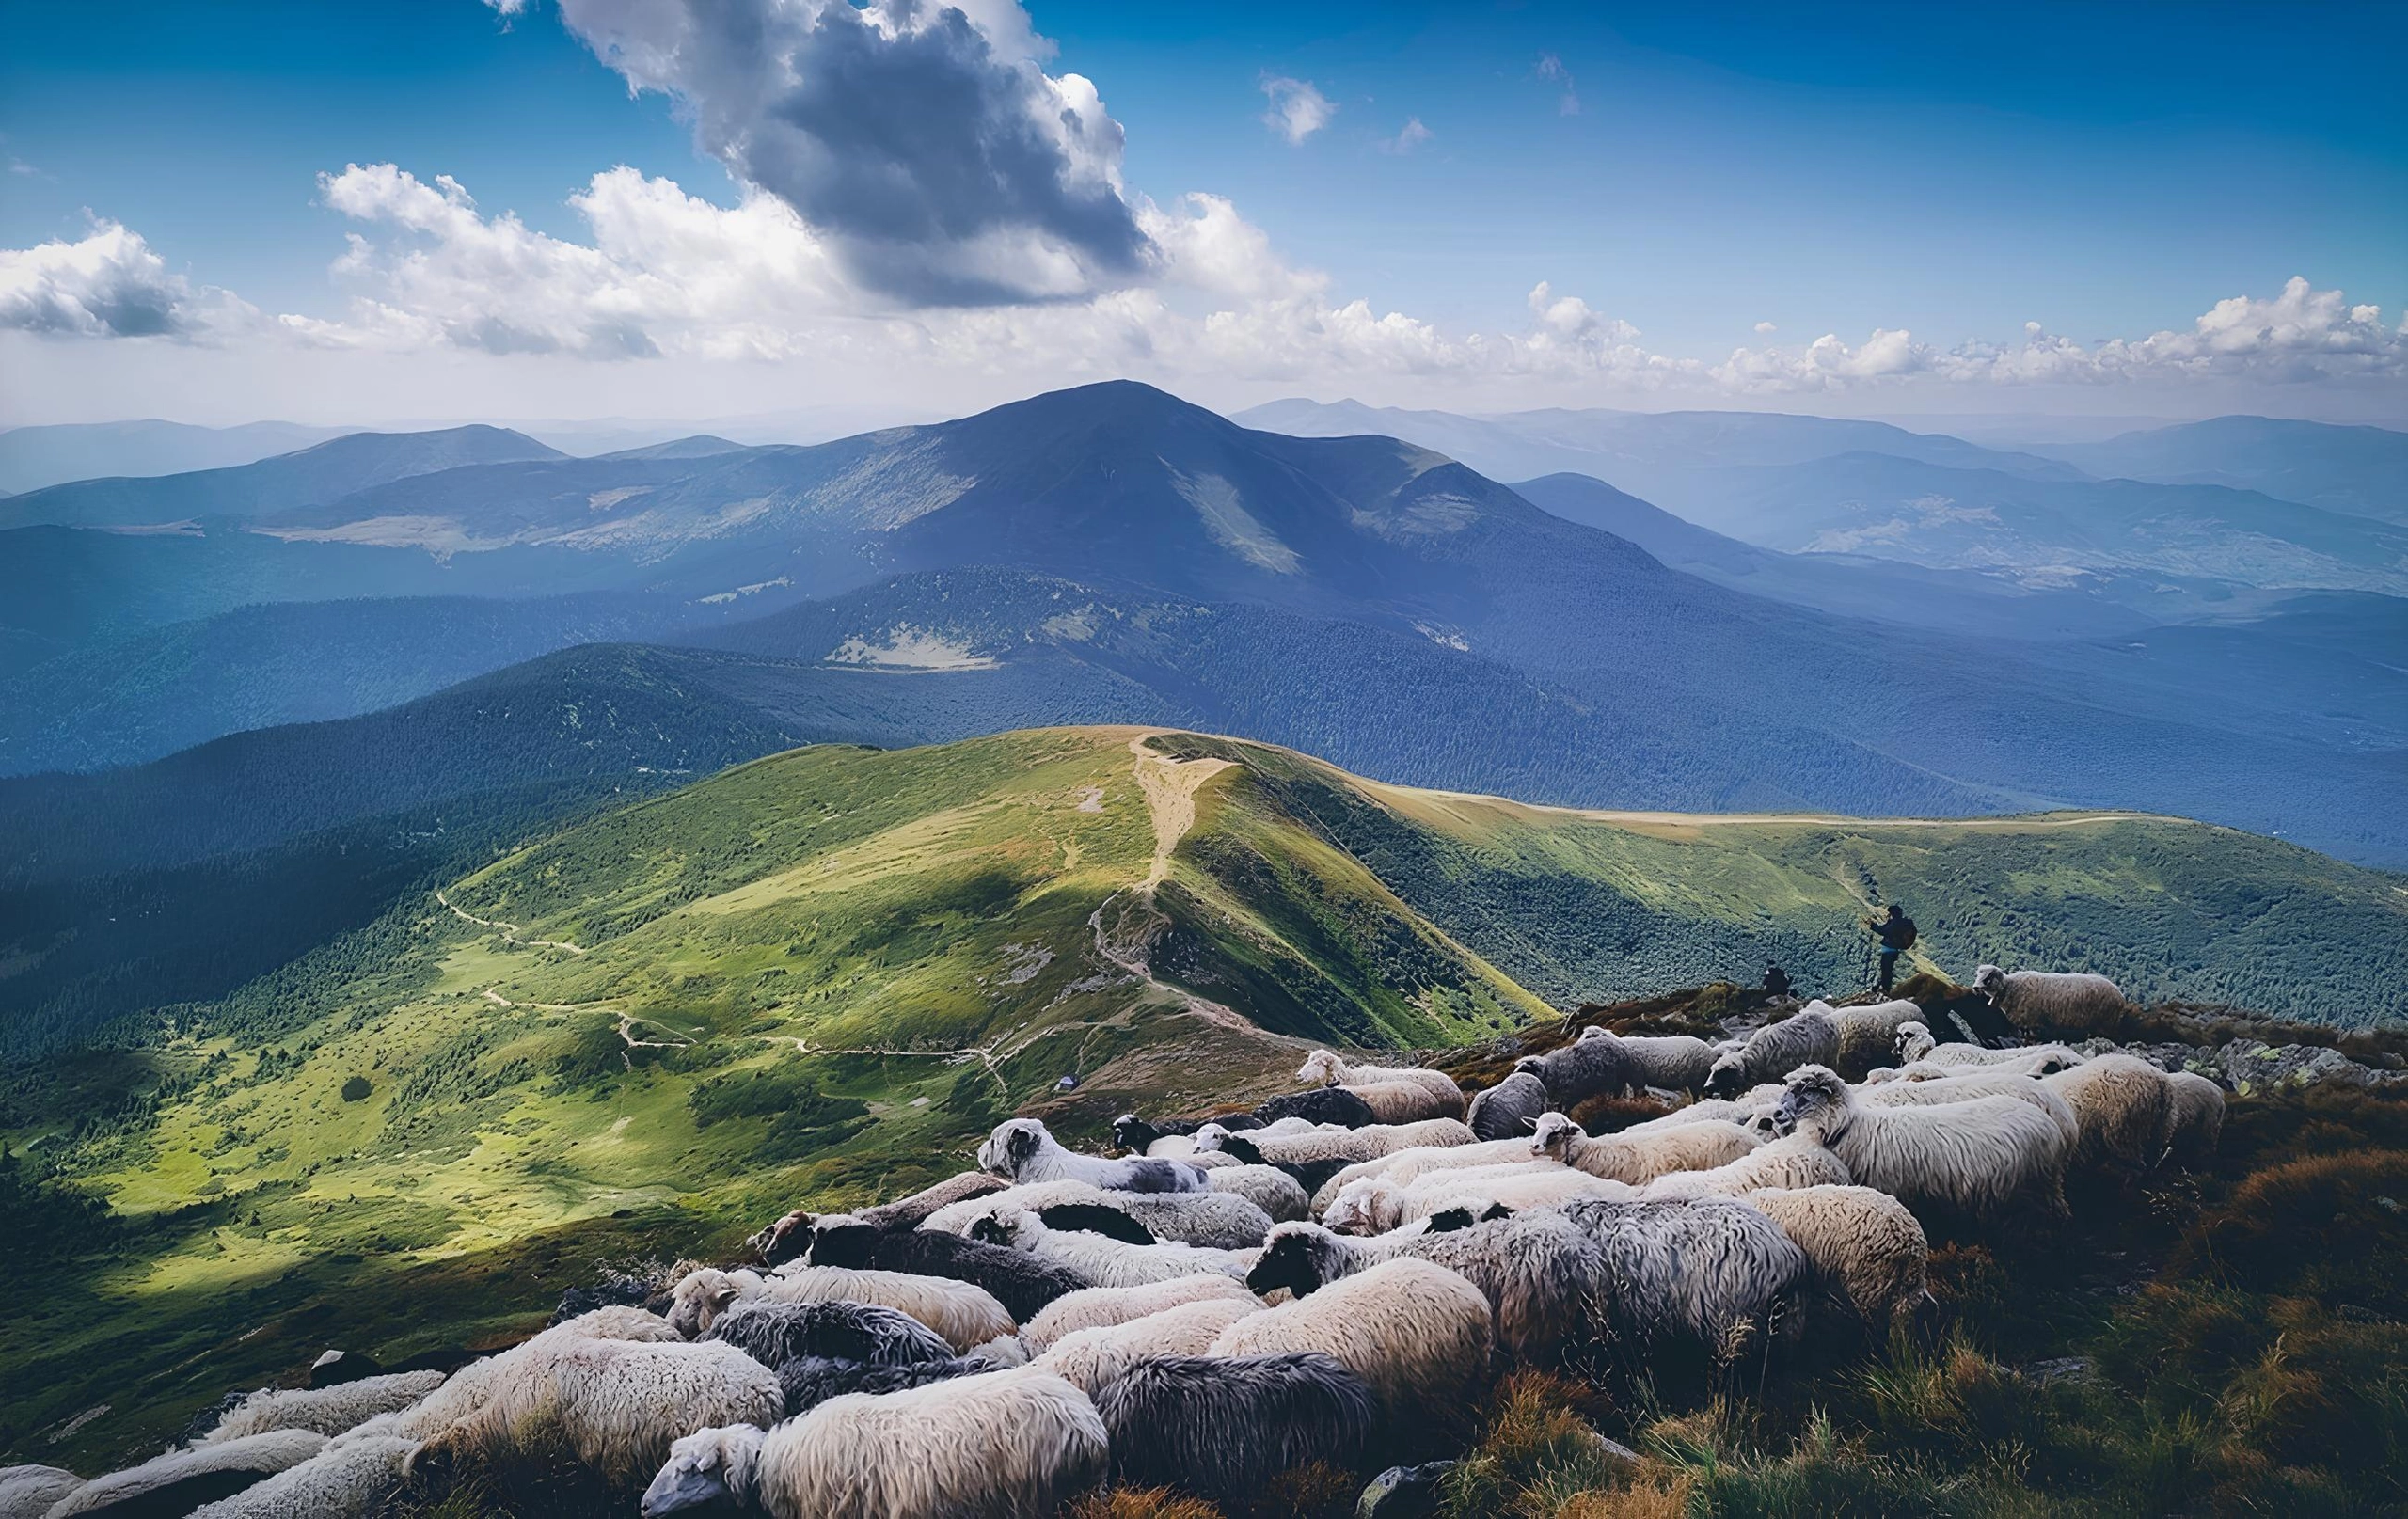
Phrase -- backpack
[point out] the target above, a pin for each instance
(1906, 935)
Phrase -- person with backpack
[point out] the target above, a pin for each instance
(1896, 933)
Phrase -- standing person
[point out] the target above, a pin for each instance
(1777, 988)
(1897, 932)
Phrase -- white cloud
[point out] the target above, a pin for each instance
(1766, 329)
(109, 284)
(1297, 109)
(1412, 135)
(925, 144)
(507, 9)
(1552, 69)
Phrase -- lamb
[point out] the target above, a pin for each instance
(1406, 1164)
(2125, 1109)
(1675, 1061)
(1540, 1273)
(1868, 1036)
(1099, 1307)
(28, 1492)
(1445, 1099)
(1506, 1109)
(1417, 1333)
(1274, 1191)
(811, 1380)
(1808, 1036)
(1921, 1059)
(1017, 1443)
(1023, 1150)
(1106, 1263)
(1022, 1283)
(348, 1480)
(1213, 1220)
(1794, 1162)
(1975, 1157)
(330, 1411)
(964, 1313)
(2045, 1000)
(1639, 1159)
(2194, 1118)
(616, 1403)
(1225, 1428)
(776, 1333)
(790, 1236)
(1375, 1205)
(1092, 1359)
(1703, 1269)
(180, 1482)
(1863, 1247)
(1963, 1086)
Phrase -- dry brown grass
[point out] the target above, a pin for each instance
(1139, 1503)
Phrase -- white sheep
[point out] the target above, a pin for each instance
(1806, 1037)
(1016, 1443)
(1542, 1274)
(1406, 1164)
(616, 1403)
(1274, 1191)
(1636, 1160)
(1374, 1205)
(1794, 1162)
(1021, 1150)
(1964, 1086)
(1418, 1334)
(1214, 1220)
(2194, 1118)
(1863, 1247)
(1325, 1068)
(28, 1492)
(158, 1485)
(2052, 999)
(330, 1411)
(1977, 1158)
(348, 1480)
(2125, 1108)
(1674, 1062)
(1868, 1035)
(1921, 1059)
(1344, 1146)
(1089, 1358)
(1750, 1110)
(964, 1313)
(1099, 1307)
(1107, 1262)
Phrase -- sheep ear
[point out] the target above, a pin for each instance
(1495, 1212)
(720, 1297)
(1451, 1220)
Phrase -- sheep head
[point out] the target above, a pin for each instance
(785, 1240)
(1595, 1031)
(1913, 1042)
(1133, 1133)
(1290, 1258)
(1531, 1066)
(1358, 1205)
(1012, 1145)
(701, 1297)
(710, 1467)
(1006, 1226)
(842, 1241)
(1990, 981)
(1728, 1076)
(1321, 1067)
(1210, 1136)
(1552, 1134)
(1812, 1096)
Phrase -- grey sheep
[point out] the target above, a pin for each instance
(1807, 1038)
(2051, 1000)
(789, 1236)
(1707, 1270)
(1212, 1220)
(776, 1333)
(811, 1380)
(1224, 1426)
(1675, 1061)
(1022, 1283)
(1508, 1109)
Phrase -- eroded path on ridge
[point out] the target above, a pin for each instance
(1169, 786)
(509, 931)
(1125, 929)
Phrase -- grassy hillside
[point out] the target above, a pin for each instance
(822, 975)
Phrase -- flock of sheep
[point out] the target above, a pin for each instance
(1313, 1280)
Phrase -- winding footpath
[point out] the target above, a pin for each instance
(509, 931)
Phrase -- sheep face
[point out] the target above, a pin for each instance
(699, 1470)
(1813, 1093)
(1289, 1262)
(701, 1298)
(1595, 1031)
(1320, 1069)
(1210, 1136)
(842, 1243)
(1013, 1145)
(1551, 1134)
(1531, 1066)
(1003, 1227)
(1990, 981)
(1133, 1133)
(1728, 1077)
(1357, 1207)
(1913, 1043)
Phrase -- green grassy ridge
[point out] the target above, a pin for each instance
(935, 909)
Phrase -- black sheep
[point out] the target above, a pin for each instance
(809, 1380)
(776, 1333)
(1323, 1104)
(1224, 1426)
(1136, 1135)
(1020, 1281)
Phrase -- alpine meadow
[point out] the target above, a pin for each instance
(850, 759)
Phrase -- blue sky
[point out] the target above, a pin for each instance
(2108, 172)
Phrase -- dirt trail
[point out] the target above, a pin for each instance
(509, 931)
(1169, 787)
(1126, 923)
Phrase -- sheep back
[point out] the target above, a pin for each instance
(1863, 1247)
(1506, 1109)
(180, 1482)
(1225, 1427)
(28, 1492)
(1101, 1307)
(1092, 1357)
(811, 1380)
(2196, 1117)
(330, 1411)
(1417, 1333)
(2124, 1108)
(776, 1333)
(348, 1480)
(964, 1313)
(1017, 1443)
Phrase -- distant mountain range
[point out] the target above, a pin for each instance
(32, 457)
(2362, 470)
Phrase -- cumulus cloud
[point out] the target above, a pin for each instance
(1412, 135)
(1552, 69)
(1766, 329)
(1297, 109)
(109, 284)
(927, 146)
